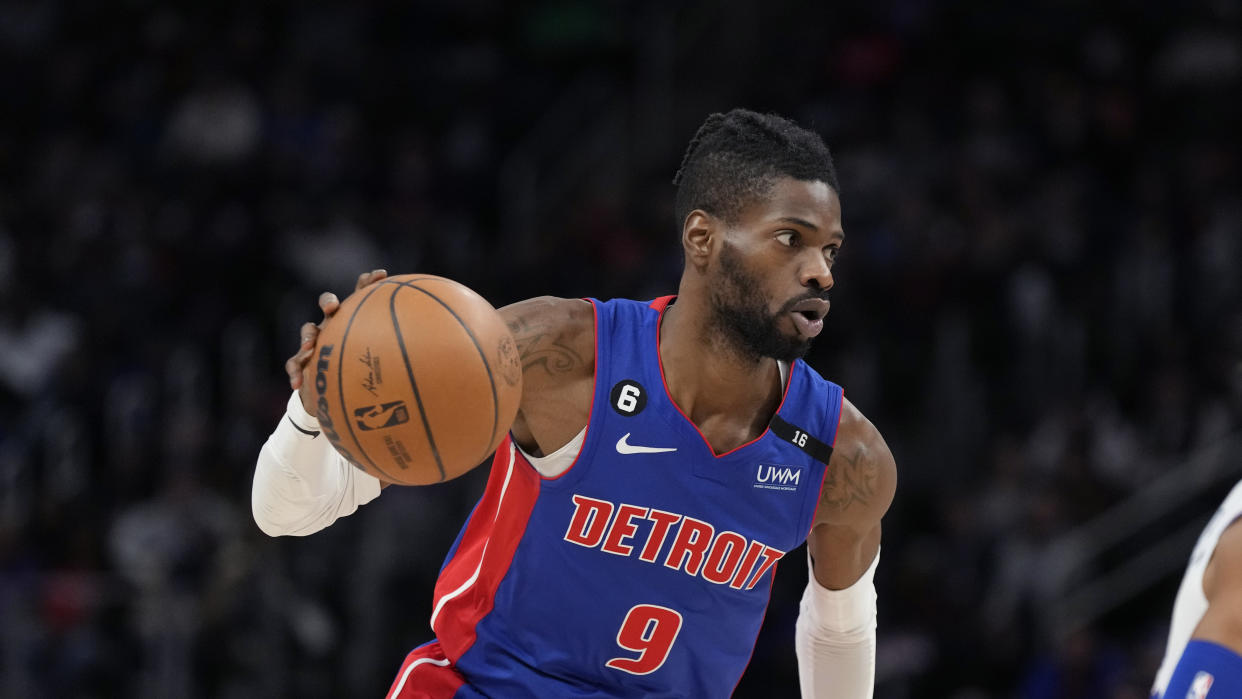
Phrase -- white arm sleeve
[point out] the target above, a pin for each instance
(301, 484)
(835, 639)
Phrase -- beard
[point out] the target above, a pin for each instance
(740, 316)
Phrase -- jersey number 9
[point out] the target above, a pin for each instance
(650, 631)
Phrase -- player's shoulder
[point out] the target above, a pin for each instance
(556, 335)
(610, 318)
(857, 428)
(549, 314)
(814, 384)
(634, 310)
(862, 474)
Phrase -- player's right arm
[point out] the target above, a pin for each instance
(302, 485)
(1213, 657)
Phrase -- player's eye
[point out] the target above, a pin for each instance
(787, 238)
(831, 253)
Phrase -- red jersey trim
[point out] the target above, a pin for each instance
(466, 590)
(661, 303)
(840, 412)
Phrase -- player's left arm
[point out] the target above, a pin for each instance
(837, 619)
(1213, 657)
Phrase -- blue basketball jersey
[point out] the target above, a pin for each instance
(645, 569)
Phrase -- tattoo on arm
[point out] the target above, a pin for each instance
(848, 480)
(539, 348)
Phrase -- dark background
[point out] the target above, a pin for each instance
(1039, 305)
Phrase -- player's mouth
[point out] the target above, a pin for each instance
(808, 316)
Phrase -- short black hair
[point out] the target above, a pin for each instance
(735, 158)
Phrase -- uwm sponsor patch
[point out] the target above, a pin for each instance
(779, 477)
(694, 547)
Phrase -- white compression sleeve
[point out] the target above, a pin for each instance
(835, 639)
(301, 484)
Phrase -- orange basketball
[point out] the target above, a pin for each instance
(418, 379)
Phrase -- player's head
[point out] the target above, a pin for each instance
(735, 158)
(761, 226)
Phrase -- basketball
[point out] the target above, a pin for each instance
(418, 379)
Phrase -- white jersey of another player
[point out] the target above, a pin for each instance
(1191, 603)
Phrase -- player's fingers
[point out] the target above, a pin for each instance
(310, 332)
(328, 303)
(297, 363)
(370, 278)
(293, 368)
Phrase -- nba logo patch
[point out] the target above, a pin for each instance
(1200, 686)
(376, 417)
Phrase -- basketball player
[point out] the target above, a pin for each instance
(1203, 658)
(665, 455)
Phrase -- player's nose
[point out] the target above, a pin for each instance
(816, 273)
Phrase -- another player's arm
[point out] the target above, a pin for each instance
(1215, 647)
(837, 618)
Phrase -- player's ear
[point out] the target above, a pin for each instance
(696, 237)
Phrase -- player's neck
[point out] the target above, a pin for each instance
(708, 381)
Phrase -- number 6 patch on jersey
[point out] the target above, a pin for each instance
(628, 397)
(649, 630)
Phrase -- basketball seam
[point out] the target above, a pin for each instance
(405, 279)
(340, 386)
(491, 379)
(409, 370)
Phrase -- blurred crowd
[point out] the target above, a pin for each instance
(1039, 303)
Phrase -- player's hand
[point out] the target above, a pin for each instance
(299, 367)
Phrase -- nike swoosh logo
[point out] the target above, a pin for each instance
(624, 447)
